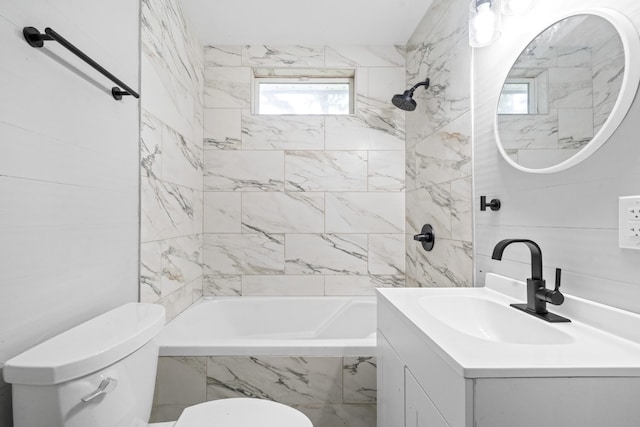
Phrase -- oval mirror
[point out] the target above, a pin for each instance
(568, 91)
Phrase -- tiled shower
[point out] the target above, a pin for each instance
(303, 205)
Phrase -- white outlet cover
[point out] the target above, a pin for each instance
(628, 211)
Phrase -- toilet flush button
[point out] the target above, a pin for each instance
(629, 222)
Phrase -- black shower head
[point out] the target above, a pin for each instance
(405, 101)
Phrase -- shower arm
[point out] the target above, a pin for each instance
(417, 85)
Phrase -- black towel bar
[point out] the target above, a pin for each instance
(36, 39)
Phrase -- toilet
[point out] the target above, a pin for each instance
(102, 374)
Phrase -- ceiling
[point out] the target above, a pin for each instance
(314, 22)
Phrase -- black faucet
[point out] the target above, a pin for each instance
(537, 293)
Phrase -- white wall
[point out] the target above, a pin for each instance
(572, 214)
(68, 171)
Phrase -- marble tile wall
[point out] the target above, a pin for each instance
(172, 158)
(572, 214)
(331, 391)
(438, 149)
(303, 205)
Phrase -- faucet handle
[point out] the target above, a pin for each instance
(554, 297)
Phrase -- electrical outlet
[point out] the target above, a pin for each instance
(629, 222)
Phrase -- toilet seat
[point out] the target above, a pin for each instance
(242, 412)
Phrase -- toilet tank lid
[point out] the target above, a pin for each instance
(88, 347)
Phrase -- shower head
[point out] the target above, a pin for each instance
(405, 101)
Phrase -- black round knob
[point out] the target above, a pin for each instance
(426, 236)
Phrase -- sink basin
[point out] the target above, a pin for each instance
(488, 320)
(477, 333)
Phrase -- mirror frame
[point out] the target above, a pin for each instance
(630, 43)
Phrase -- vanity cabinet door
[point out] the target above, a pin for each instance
(419, 409)
(390, 396)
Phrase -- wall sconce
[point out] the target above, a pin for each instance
(516, 7)
(485, 22)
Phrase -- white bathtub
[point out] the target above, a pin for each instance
(273, 326)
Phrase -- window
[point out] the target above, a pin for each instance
(518, 97)
(303, 96)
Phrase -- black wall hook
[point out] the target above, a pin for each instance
(494, 204)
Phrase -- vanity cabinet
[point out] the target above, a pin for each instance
(419, 386)
(419, 410)
(402, 400)
(390, 372)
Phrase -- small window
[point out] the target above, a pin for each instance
(304, 96)
(518, 97)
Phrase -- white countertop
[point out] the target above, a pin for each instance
(604, 341)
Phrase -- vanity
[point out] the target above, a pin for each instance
(462, 357)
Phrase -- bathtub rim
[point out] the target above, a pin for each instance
(348, 347)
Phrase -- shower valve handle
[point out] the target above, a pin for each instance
(427, 237)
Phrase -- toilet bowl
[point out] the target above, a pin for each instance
(102, 374)
(238, 412)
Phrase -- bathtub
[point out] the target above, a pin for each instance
(273, 326)
(316, 354)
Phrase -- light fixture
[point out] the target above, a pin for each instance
(485, 22)
(516, 7)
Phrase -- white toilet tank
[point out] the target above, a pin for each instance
(116, 349)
